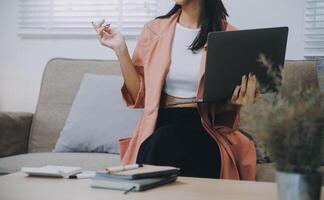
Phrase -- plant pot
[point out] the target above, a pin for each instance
(297, 186)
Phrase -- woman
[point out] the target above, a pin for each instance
(201, 139)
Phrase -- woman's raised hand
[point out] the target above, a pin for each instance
(246, 93)
(109, 37)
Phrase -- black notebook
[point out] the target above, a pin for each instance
(131, 185)
(147, 171)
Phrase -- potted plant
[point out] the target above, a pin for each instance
(290, 126)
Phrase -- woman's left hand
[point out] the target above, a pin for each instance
(246, 93)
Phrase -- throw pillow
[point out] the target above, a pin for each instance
(98, 117)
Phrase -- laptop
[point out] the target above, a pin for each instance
(230, 55)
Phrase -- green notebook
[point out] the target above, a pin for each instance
(131, 185)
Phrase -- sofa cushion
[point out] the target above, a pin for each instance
(98, 117)
(14, 133)
(60, 84)
(265, 172)
(320, 69)
(87, 161)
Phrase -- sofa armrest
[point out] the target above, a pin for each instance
(14, 133)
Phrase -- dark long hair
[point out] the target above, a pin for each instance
(212, 18)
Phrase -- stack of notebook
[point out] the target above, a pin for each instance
(139, 179)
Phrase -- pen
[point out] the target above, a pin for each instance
(83, 175)
(123, 168)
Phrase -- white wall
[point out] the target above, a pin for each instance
(246, 14)
(22, 61)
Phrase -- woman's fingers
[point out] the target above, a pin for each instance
(243, 86)
(254, 84)
(236, 100)
(251, 88)
(101, 31)
(105, 29)
(239, 92)
(99, 25)
(109, 30)
(246, 93)
(236, 93)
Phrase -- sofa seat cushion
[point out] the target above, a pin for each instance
(265, 172)
(87, 161)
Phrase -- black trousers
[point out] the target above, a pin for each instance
(180, 140)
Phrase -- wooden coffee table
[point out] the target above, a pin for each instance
(18, 186)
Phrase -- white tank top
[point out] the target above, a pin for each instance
(182, 79)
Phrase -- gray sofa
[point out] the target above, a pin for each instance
(28, 139)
